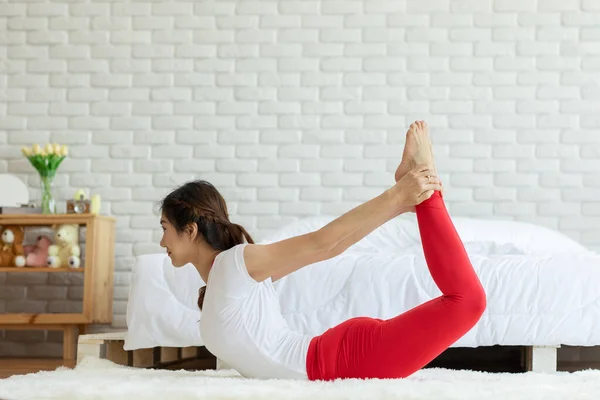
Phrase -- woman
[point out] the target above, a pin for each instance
(241, 320)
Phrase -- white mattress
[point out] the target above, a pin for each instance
(542, 287)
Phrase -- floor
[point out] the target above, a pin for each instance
(16, 366)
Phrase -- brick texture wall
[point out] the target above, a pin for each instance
(296, 108)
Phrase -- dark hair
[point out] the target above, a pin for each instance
(199, 202)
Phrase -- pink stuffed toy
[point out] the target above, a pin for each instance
(37, 254)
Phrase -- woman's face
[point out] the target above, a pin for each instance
(179, 247)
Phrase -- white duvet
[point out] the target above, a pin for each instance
(542, 287)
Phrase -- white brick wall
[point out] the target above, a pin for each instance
(295, 108)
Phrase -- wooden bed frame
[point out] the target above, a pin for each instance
(110, 346)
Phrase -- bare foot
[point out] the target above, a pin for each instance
(417, 150)
(409, 149)
(426, 128)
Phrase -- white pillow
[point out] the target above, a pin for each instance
(529, 238)
(162, 309)
(187, 293)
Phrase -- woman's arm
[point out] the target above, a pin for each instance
(279, 259)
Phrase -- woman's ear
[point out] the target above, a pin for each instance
(192, 231)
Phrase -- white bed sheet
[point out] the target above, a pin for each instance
(541, 286)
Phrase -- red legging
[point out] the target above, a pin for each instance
(396, 348)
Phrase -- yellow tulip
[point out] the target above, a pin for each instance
(26, 151)
(57, 149)
(36, 149)
(64, 151)
(43, 153)
(49, 149)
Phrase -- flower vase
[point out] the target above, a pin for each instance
(48, 202)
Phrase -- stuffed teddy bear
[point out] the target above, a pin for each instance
(11, 246)
(36, 254)
(66, 251)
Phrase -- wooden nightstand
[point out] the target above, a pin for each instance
(98, 277)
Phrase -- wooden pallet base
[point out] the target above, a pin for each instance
(110, 346)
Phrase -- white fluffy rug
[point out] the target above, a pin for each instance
(101, 379)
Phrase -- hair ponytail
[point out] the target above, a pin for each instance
(201, 203)
(237, 233)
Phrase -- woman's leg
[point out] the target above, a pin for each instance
(396, 348)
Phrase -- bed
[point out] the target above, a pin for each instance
(541, 287)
